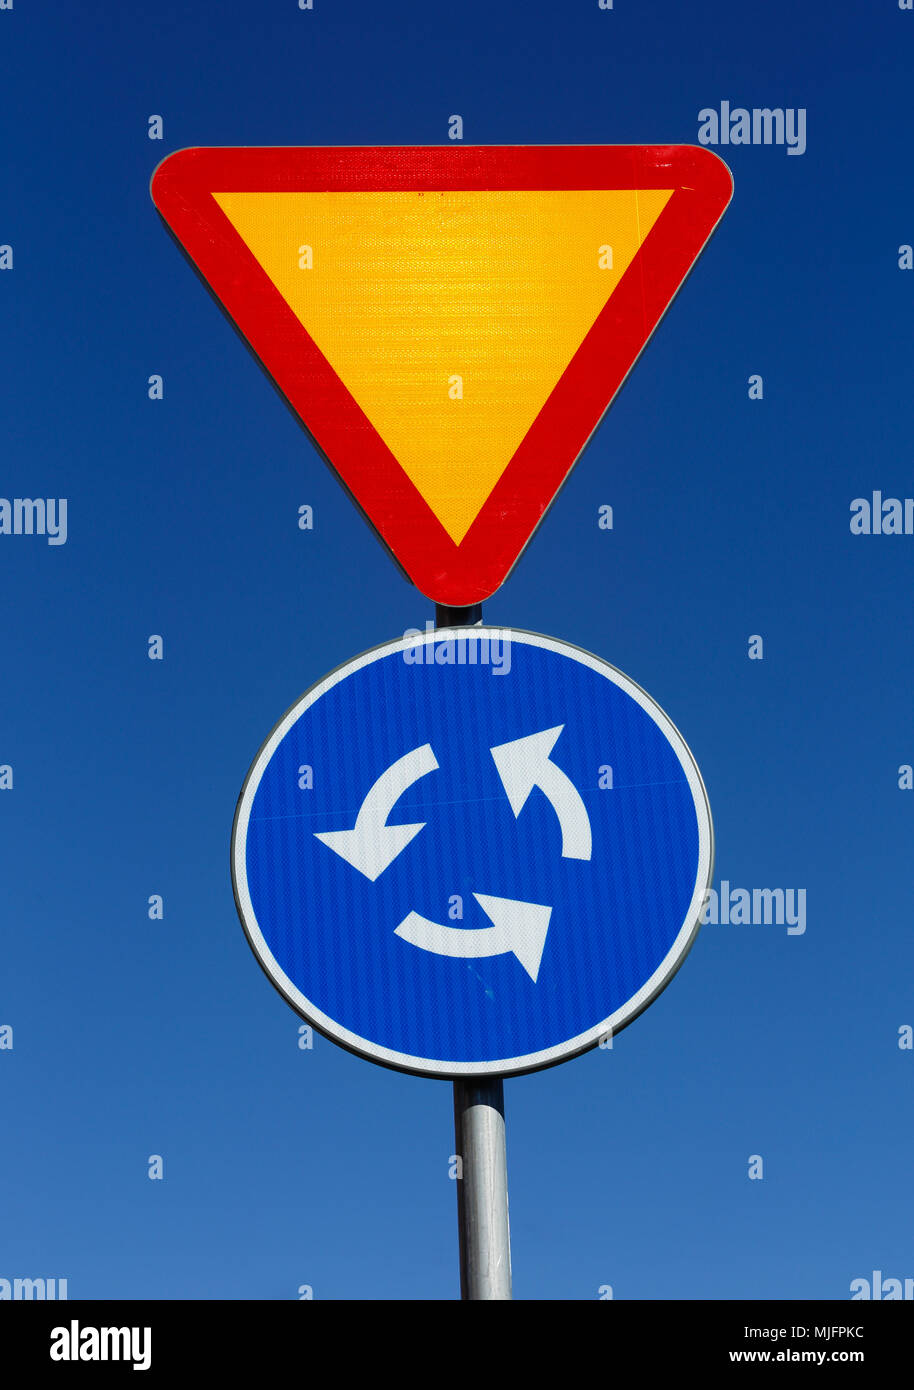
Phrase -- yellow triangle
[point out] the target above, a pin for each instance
(448, 316)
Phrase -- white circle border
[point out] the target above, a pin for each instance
(511, 1066)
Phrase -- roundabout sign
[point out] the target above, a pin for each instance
(488, 868)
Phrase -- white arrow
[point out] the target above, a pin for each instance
(372, 844)
(524, 764)
(518, 927)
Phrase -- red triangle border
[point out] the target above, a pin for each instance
(457, 575)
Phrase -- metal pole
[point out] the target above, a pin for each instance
(482, 1191)
(479, 1130)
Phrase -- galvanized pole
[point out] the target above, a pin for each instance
(482, 1191)
(479, 1130)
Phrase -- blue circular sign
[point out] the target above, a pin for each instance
(472, 851)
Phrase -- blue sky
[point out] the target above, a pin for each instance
(134, 1037)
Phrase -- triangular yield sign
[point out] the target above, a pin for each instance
(449, 324)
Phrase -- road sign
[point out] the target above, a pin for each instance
(449, 324)
(472, 851)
